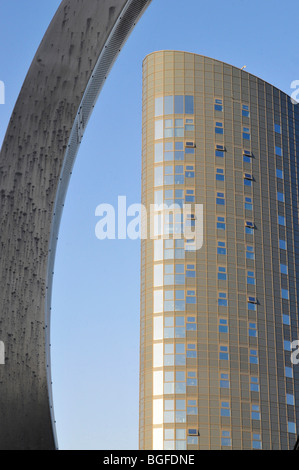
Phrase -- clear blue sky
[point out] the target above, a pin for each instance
(95, 321)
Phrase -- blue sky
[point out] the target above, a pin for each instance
(95, 319)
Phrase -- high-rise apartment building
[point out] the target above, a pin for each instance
(218, 323)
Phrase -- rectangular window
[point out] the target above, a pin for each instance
(253, 357)
(255, 412)
(285, 294)
(282, 244)
(189, 104)
(191, 379)
(251, 278)
(168, 105)
(278, 151)
(249, 252)
(219, 174)
(292, 428)
(277, 128)
(245, 111)
(289, 372)
(256, 442)
(222, 274)
(219, 128)
(218, 106)
(280, 197)
(254, 384)
(225, 409)
(283, 269)
(179, 104)
(223, 325)
(222, 299)
(159, 106)
(226, 439)
(221, 248)
(220, 200)
(252, 330)
(281, 220)
(221, 223)
(246, 133)
(286, 319)
(290, 399)
(248, 204)
(219, 151)
(247, 156)
(279, 173)
(224, 381)
(223, 353)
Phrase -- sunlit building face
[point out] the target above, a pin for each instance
(218, 321)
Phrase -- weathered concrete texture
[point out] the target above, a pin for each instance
(31, 161)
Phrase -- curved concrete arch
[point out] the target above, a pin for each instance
(36, 159)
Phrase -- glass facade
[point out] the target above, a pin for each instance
(217, 323)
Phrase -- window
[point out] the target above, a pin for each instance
(251, 278)
(277, 128)
(219, 128)
(191, 351)
(219, 174)
(219, 152)
(169, 327)
(223, 353)
(159, 129)
(280, 197)
(286, 319)
(281, 220)
(292, 427)
(255, 412)
(191, 379)
(256, 442)
(278, 151)
(192, 438)
(190, 270)
(289, 372)
(189, 173)
(283, 269)
(247, 156)
(253, 357)
(254, 384)
(287, 345)
(159, 152)
(290, 399)
(192, 407)
(159, 106)
(225, 409)
(285, 294)
(249, 227)
(191, 324)
(180, 355)
(189, 104)
(220, 200)
(159, 176)
(191, 297)
(249, 252)
(246, 133)
(190, 197)
(221, 223)
(279, 173)
(248, 204)
(221, 274)
(218, 106)
(282, 244)
(226, 439)
(245, 111)
(248, 178)
(223, 325)
(221, 248)
(224, 381)
(252, 330)
(222, 299)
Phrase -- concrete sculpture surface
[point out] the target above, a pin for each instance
(36, 159)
